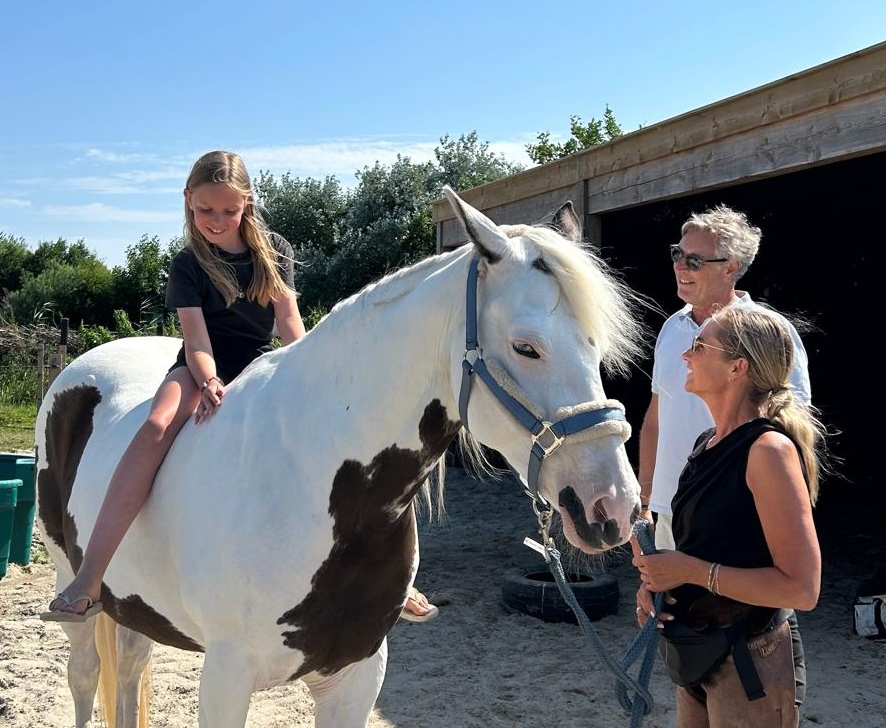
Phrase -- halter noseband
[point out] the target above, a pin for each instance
(546, 436)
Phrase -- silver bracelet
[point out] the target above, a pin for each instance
(715, 567)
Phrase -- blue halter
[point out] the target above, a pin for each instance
(546, 436)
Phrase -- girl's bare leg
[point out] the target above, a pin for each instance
(175, 401)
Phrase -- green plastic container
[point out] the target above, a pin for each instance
(8, 498)
(21, 467)
(25, 511)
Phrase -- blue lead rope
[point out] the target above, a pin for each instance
(644, 643)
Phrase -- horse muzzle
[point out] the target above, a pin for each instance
(601, 532)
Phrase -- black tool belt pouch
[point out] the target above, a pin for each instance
(720, 627)
(690, 655)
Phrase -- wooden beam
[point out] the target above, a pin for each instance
(791, 145)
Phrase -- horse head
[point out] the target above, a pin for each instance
(549, 318)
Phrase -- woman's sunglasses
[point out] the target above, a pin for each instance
(697, 345)
(693, 261)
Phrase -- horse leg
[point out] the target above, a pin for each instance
(346, 699)
(133, 656)
(83, 669)
(226, 686)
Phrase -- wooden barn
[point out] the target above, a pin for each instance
(805, 158)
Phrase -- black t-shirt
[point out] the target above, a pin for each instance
(239, 332)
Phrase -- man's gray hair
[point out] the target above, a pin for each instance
(737, 239)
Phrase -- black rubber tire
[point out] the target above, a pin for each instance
(535, 593)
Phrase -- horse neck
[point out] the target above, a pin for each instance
(394, 341)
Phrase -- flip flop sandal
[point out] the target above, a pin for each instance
(410, 616)
(58, 615)
(427, 617)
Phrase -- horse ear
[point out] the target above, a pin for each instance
(566, 222)
(491, 243)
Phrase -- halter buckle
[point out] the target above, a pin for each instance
(474, 354)
(553, 444)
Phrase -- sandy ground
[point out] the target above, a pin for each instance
(477, 664)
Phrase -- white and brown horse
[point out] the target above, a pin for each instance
(280, 537)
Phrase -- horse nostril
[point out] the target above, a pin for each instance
(611, 531)
(600, 512)
(571, 503)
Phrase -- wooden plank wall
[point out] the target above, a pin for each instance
(833, 111)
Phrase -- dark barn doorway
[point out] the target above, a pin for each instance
(820, 229)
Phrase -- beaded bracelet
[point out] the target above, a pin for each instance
(207, 381)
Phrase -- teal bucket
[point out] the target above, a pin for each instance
(25, 511)
(21, 467)
(8, 498)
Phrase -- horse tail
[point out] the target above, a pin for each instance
(106, 644)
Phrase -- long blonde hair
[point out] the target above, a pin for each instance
(763, 339)
(227, 168)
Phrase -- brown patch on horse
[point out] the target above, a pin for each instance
(68, 429)
(133, 612)
(69, 425)
(356, 594)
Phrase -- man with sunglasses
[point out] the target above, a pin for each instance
(716, 249)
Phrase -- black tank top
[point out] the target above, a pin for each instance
(715, 517)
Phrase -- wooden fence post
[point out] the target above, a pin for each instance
(41, 373)
(59, 359)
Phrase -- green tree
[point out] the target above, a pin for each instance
(388, 225)
(77, 292)
(583, 136)
(311, 215)
(14, 254)
(345, 240)
(465, 163)
(307, 212)
(58, 251)
(140, 286)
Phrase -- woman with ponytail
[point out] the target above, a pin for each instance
(747, 552)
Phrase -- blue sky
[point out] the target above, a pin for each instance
(107, 104)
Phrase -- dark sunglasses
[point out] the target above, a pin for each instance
(693, 261)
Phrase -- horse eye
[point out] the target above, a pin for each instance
(524, 349)
(539, 264)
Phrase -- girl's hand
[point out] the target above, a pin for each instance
(210, 400)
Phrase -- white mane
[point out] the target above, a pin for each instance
(602, 303)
